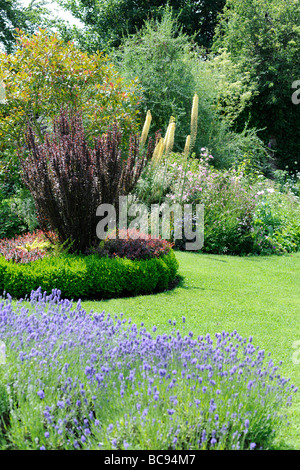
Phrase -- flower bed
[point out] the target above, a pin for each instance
(79, 380)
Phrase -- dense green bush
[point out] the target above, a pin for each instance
(158, 56)
(276, 220)
(17, 214)
(263, 38)
(79, 276)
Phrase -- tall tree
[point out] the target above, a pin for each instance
(263, 36)
(108, 21)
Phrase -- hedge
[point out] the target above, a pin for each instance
(88, 277)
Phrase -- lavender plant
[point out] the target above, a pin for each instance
(79, 380)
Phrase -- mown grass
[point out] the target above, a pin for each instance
(257, 296)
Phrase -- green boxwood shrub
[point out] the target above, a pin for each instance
(80, 276)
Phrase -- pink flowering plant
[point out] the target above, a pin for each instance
(78, 380)
(244, 212)
(228, 206)
(27, 247)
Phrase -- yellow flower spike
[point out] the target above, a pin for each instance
(158, 152)
(146, 128)
(187, 146)
(170, 137)
(194, 119)
(172, 119)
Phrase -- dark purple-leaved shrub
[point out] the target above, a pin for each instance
(131, 244)
(69, 179)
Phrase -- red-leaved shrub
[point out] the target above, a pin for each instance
(22, 249)
(131, 244)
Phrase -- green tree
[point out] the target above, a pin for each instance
(108, 21)
(15, 16)
(171, 69)
(159, 56)
(263, 37)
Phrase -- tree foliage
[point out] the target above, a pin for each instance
(159, 56)
(109, 21)
(171, 69)
(263, 37)
(45, 74)
(14, 15)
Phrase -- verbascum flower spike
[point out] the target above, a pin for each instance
(158, 152)
(170, 137)
(172, 119)
(145, 129)
(194, 119)
(187, 146)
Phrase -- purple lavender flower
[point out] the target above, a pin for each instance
(91, 355)
(114, 442)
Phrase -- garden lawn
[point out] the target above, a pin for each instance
(257, 296)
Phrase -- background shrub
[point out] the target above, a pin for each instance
(276, 221)
(170, 68)
(45, 73)
(158, 57)
(244, 212)
(17, 214)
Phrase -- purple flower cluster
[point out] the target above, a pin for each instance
(97, 381)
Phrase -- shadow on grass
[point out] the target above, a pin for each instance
(181, 283)
(177, 282)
